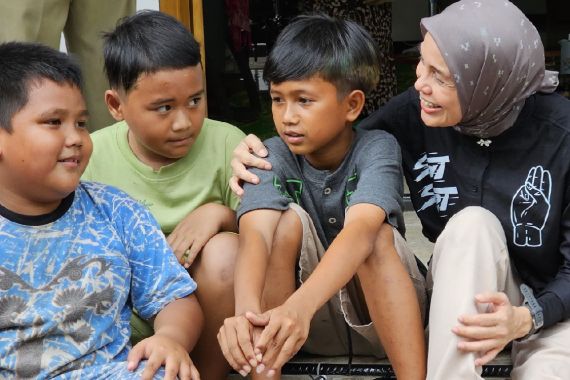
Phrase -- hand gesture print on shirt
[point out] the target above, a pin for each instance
(530, 207)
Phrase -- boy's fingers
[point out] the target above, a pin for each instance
(185, 372)
(290, 348)
(171, 368)
(134, 357)
(151, 366)
(267, 336)
(259, 320)
(195, 375)
(225, 350)
(191, 253)
(281, 346)
(178, 246)
(245, 342)
(237, 342)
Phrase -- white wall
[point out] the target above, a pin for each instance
(147, 4)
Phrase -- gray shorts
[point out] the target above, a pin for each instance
(346, 312)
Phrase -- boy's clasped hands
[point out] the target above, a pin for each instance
(264, 342)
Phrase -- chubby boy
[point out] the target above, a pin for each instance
(164, 153)
(77, 256)
(322, 263)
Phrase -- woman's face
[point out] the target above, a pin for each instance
(439, 101)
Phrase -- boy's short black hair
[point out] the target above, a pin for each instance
(339, 51)
(23, 64)
(145, 43)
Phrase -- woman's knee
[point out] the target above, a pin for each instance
(473, 235)
(473, 220)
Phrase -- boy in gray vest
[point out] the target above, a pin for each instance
(320, 245)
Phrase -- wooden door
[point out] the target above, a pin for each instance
(190, 13)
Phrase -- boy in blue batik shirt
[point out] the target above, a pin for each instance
(76, 257)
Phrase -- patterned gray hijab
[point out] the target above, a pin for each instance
(496, 58)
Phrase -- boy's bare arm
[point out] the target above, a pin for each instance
(288, 324)
(177, 329)
(236, 336)
(197, 228)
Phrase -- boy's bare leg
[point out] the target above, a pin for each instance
(393, 306)
(280, 277)
(213, 270)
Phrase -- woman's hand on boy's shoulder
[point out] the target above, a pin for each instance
(162, 351)
(248, 153)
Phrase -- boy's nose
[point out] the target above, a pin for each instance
(73, 136)
(181, 121)
(290, 114)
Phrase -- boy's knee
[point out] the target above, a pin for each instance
(217, 260)
(289, 229)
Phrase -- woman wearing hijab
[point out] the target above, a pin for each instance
(486, 154)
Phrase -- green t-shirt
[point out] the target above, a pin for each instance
(175, 190)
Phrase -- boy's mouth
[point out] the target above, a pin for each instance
(181, 141)
(293, 137)
(73, 161)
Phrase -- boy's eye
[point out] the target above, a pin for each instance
(82, 124)
(276, 99)
(53, 122)
(305, 100)
(194, 101)
(164, 108)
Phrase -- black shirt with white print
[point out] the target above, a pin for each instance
(522, 176)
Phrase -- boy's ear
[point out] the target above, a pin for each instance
(355, 102)
(114, 104)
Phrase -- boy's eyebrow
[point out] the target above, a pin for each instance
(60, 112)
(53, 112)
(298, 92)
(161, 101)
(168, 100)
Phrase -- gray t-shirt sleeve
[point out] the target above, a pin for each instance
(270, 193)
(379, 175)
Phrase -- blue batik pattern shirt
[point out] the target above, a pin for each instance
(67, 287)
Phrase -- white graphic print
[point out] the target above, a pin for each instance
(433, 167)
(530, 207)
(483, 142)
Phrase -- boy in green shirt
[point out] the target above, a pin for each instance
(164, 153)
